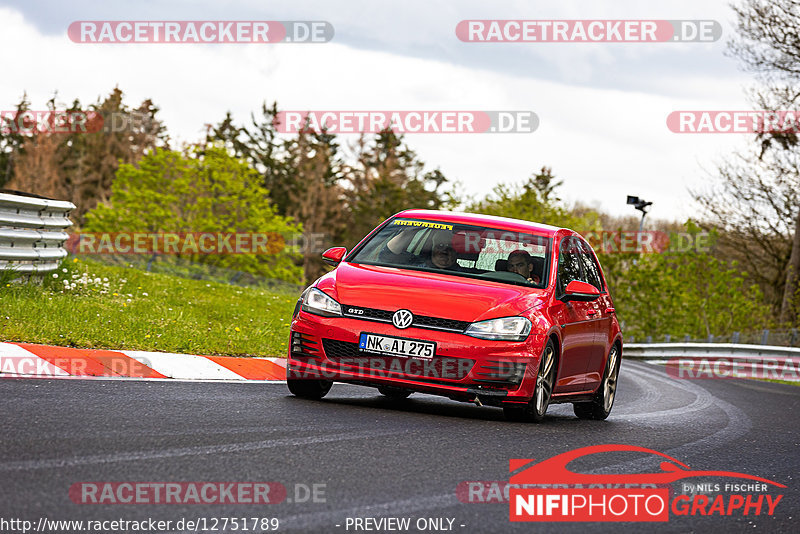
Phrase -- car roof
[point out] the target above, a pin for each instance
(503, 223)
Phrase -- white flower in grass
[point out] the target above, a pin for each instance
(144, 294)
(64, 270)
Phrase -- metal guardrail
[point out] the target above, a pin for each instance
(720, 360)
(789, 337)
(32, 232)
(667, 351)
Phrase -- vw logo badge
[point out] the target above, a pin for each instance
(402, 318)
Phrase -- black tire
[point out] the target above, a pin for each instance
(309, 389)
(536, 408)
(600, 407)
(394, 393)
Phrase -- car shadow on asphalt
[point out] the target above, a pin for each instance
(558, 414)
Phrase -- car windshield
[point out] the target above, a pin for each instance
(459, 250)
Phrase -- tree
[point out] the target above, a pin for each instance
(260, 146)
(170, 192)
(11, 142)
(672, 292)
(302, 174)
(313, 166)
(753, 206)
(80, 166)
(536, 200)
(386, 178)
(309, 179)
(756, 201)
(688, 292)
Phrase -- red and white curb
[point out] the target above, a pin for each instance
(44, 361)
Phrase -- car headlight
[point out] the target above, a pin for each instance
(505, 329)
(319, 303)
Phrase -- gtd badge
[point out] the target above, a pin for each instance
(402, 318)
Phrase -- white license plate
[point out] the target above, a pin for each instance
(396, 346)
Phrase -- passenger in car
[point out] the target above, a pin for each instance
(521, 262)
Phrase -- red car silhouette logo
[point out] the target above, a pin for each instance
(554, 470)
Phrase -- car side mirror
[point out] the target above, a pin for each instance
(333, 256)
(580, 291)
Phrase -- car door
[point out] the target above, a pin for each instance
(601, 316)
(576, 319)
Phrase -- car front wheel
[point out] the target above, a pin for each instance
(603, 401)
(309, 389)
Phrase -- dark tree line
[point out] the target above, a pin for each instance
(340, 192)
(77, 166)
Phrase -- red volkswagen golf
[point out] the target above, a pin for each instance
(476, 308)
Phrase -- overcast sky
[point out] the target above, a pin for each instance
(602, 106)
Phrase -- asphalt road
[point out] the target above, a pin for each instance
(375, 457)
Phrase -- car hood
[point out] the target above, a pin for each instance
(426, 293)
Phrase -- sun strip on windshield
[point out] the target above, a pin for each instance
(423, 224)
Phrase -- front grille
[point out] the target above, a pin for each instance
(347, 354)
(420, 321)
(439, 323)
(369, 313)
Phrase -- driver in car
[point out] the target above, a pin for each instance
(442, 255)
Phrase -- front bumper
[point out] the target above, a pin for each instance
(463, 368)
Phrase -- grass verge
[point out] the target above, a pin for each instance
(91, 305)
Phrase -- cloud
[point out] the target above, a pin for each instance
(604, 142)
